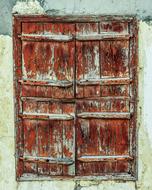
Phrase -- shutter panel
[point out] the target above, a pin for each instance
(75, 87)
(47, 76)
(104, 120)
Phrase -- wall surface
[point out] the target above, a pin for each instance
(7, 161)
(141, 8)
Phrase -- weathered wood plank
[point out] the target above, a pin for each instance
(104, 158)
(98, 115)
(46, 83)
(102, 36)
(56, 145)
(44, 116)
(73, 18)
(73, 100)
(30, 144)
(63, 161)
(115, 58)
(87, 59)
(104, 81)
(69, 146)
(30, 28)
(103, 105)
(118, 27)
(46, 37)
(43, 144)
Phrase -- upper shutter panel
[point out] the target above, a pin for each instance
(48, 68)
(104, 118)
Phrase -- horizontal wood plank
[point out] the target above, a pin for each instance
(47, 83)
(42, 116)
(80, 37)
(47, 37)
(74, 100)
(63, 161)
(103, 36)
(104, 158)
(104, 81)
(72, 18)
(104, 115)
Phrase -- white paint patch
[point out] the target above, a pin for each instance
(28, 7)
(146, 55)
(85, 128)
(92, 71)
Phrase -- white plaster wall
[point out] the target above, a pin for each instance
(7, 161)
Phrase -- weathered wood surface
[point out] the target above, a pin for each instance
(47, 116)
(102, 36)
(104, 81)
(46, 37)
(104, 158)
(63, 161)
(104, 115)
(75, 87)
(63, 83)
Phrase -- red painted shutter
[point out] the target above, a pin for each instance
(75, 97)
(47, 76)
(104, 83)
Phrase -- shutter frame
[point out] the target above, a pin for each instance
(17, 72)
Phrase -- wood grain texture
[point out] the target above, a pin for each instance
(75, 92)
(87, 60)
(115, 58)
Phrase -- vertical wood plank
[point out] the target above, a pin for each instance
(56, 143)
(30, 144)
(43, 146)
(17, 90)
(114, 62)
(87, 60)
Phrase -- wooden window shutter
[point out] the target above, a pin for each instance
(75, 96)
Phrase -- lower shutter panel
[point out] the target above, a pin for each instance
(48, 147)
(49, 135)
(102, 146)
(103, 137)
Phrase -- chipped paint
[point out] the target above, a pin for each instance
(28, 7)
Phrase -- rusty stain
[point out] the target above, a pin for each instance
(75, 96)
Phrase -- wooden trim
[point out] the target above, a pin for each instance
(17, 74)
(74, 100)
(133, 123)
(47, 37)
(63, 161)
(104, 81)
(46, 83)
(66, 38)
(42, 116)
(103, 36)
(104, 158)
(73, 18)
(104, 115)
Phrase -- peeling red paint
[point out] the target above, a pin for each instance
(75, 88)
